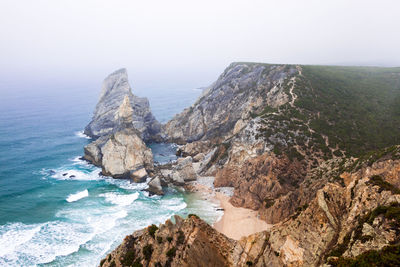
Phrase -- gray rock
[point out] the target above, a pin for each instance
(184, 171)
(107, 119)
(121, 155)
(198, 157)
(227, 105)
(155, 187)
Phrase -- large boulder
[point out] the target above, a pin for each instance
(116, 92)
(155, 187)
(121, 155)
(184, 171)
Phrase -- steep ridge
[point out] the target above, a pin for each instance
(226, 106)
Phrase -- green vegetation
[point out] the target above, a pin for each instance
(169, 239)
(152, 230)
(388, 256)
(371, 157)
(249, 263)
(342, 247)
(357, 107)
(102, 262)
(383, 185)
(171, 252)
(112, 264)
(193, 215)
(181, 238)
(391, 212)
(269, 202)
(128, 258)
(137, 263)
(339, 111)
(147, 251)
(159, 239)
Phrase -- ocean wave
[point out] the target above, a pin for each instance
(26, 245)
(74, 174)
(173, 204)
(80, 134)
(41, 243)
(77, 196)
(128, 185)
(119, 199)
(13, 235)
(81, 162)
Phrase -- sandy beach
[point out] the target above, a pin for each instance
(235, 222)
(238, 222)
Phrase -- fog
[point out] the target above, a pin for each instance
(173, 43)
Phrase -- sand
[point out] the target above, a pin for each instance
(238, 222)
(235, 222)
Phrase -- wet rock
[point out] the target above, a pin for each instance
(155, 187)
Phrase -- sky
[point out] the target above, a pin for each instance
(187, 43)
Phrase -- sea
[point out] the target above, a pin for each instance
(56, 209)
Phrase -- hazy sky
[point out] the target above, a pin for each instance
(189, 43)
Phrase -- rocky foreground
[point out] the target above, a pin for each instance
(347, 219)
(312, 149)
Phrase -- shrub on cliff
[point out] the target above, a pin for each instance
(152, 230)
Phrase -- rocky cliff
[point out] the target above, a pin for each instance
(120, 121)
(115, 90)
(226, 106)
(313, 149)
(352, 219)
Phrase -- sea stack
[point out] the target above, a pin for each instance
(115, 90)
(120, 124)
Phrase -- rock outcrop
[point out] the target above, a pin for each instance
(121, 155)
(120, 122)
(345, 219)
(190, 242)
(227, 105)
(115, 95)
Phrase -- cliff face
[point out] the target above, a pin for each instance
(226, 106)
(302, 128)
(115, 90)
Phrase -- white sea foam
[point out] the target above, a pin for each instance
(81, 162)
(74, 174)
(80, 134)
(119, 199)
(173, 204)
(126, 184)
(13, 235)
(77, 196)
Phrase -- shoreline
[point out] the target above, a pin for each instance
(236, 222)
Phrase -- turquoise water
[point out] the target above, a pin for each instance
(55, 209)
